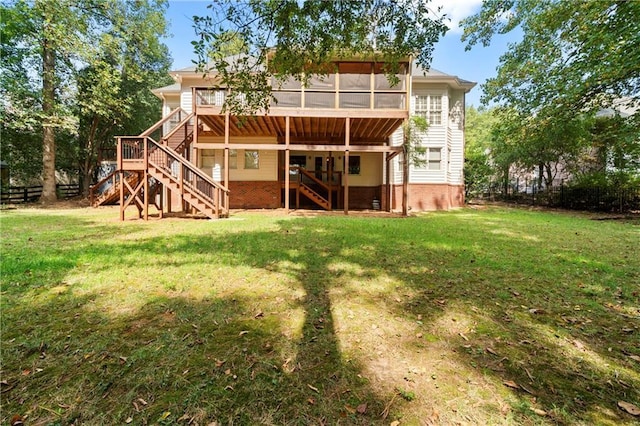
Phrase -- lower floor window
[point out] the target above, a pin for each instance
(434, 159)
(251, 159)
(354, 165)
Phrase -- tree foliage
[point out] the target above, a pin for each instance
(478, 170)
(575, 58)
(575, 55)
(292, 38)
(76, 72)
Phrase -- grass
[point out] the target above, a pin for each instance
(494, 316)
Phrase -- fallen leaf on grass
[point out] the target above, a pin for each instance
(129, 420)
(511, 384)
(26, 372)
(259, 315)
(395, 423)
(629, 408)
(243, 332)
(165, 415)
(539, 411)
(362, 408)
(635, 357)
(463, 336)
(313, 388)
(142, 401)
(536, 311)
(491, 351)
(311, 401)
(219, 363)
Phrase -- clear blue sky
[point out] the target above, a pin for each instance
(450, 57)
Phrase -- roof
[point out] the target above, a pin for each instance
(172, 88)
(432, 75)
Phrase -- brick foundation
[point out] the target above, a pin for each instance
(429, 197)
(361, 197)
(254, 195)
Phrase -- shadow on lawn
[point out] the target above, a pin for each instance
(148, 364)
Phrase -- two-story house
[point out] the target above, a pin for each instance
(334, 143)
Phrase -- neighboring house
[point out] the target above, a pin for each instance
(335, 144)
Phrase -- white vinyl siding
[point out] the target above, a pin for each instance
(186, 99)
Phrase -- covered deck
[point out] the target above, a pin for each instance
(354, 111)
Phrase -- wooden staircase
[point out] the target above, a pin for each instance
(305, 188)
(144, 166)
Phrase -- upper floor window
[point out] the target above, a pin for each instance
(430, 107)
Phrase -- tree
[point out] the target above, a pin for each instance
(113, 94)
(478, 170)
(413, 153)
(72, 60)
(292, 38)
(575, 59)
(576, 56)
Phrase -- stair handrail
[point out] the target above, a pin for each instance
(190, 166)
(178, 126)
(220, 190)
(157, 125)
(313, 178)
(92, 188)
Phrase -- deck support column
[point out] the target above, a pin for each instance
(347, 139)
(121, 172)
(330, 180)
(405, 183)
(146, 180)
(226, 161)
(287, 157)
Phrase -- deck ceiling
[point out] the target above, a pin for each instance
(329, 130)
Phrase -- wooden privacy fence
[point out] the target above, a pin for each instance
(31, 194)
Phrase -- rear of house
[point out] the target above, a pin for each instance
(335, 144)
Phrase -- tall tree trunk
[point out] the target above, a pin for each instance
(405, 182)
(48, 110)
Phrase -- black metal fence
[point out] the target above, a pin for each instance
(602, 199)
(31, 194)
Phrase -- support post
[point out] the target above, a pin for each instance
(226, 160)
(405, 183)
(287, 156)
(121, 193)
(146, 178)
(347, 139)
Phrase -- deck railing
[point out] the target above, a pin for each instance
(347, 91)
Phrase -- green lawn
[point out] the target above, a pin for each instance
(489, 316)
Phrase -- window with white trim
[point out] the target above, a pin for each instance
(429, 107)
(434, 159)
